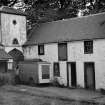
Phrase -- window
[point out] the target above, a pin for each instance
(56, 69)
(41, 49)
(14, 22)
(62, 51)
(10, 64)
(45, 71)
(15, 41)
(88, 47)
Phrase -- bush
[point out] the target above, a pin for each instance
(102, 91)
(6, 78)
(58, 81)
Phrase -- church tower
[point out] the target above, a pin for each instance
(13, 32)
(12, 28)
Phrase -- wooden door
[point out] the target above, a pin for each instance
(89, 75)
(71, 74)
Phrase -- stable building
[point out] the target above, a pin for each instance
(75, 47)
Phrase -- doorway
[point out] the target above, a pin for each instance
(71, 74)
(89, 75)
(3, 66)
(17, 56)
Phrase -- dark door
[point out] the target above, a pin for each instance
(89, 75)
(71, 74)
(3, 66)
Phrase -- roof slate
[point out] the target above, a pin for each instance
(87, 27)
(5, 9)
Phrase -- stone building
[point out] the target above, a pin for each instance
(75, 47)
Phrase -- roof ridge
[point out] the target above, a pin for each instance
(11, 10)
(75, 18)
(69, 30)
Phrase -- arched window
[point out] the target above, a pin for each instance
(15, 41)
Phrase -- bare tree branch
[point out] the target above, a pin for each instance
(12, 3)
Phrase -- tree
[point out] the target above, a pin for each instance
(9, 3)
(49, 10)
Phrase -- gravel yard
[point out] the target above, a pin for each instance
(26, 95)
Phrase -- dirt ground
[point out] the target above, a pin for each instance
(26, 95)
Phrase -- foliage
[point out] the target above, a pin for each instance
(49, 10)
(7, 2)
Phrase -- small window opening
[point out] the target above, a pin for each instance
(15, 41)
(88, 47)
(14, 22)
(41, 49)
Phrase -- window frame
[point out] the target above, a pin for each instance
(44, 74)
(59, 57)
(88, 47)
(39, 49)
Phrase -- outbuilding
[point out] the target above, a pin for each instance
(6, 61)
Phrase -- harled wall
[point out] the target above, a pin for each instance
(75, 54)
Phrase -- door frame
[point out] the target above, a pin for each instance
(68, 81)
(85, 76)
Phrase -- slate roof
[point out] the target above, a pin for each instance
(5, 9)
(75, 29)
(4, 55)
(17, 55)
